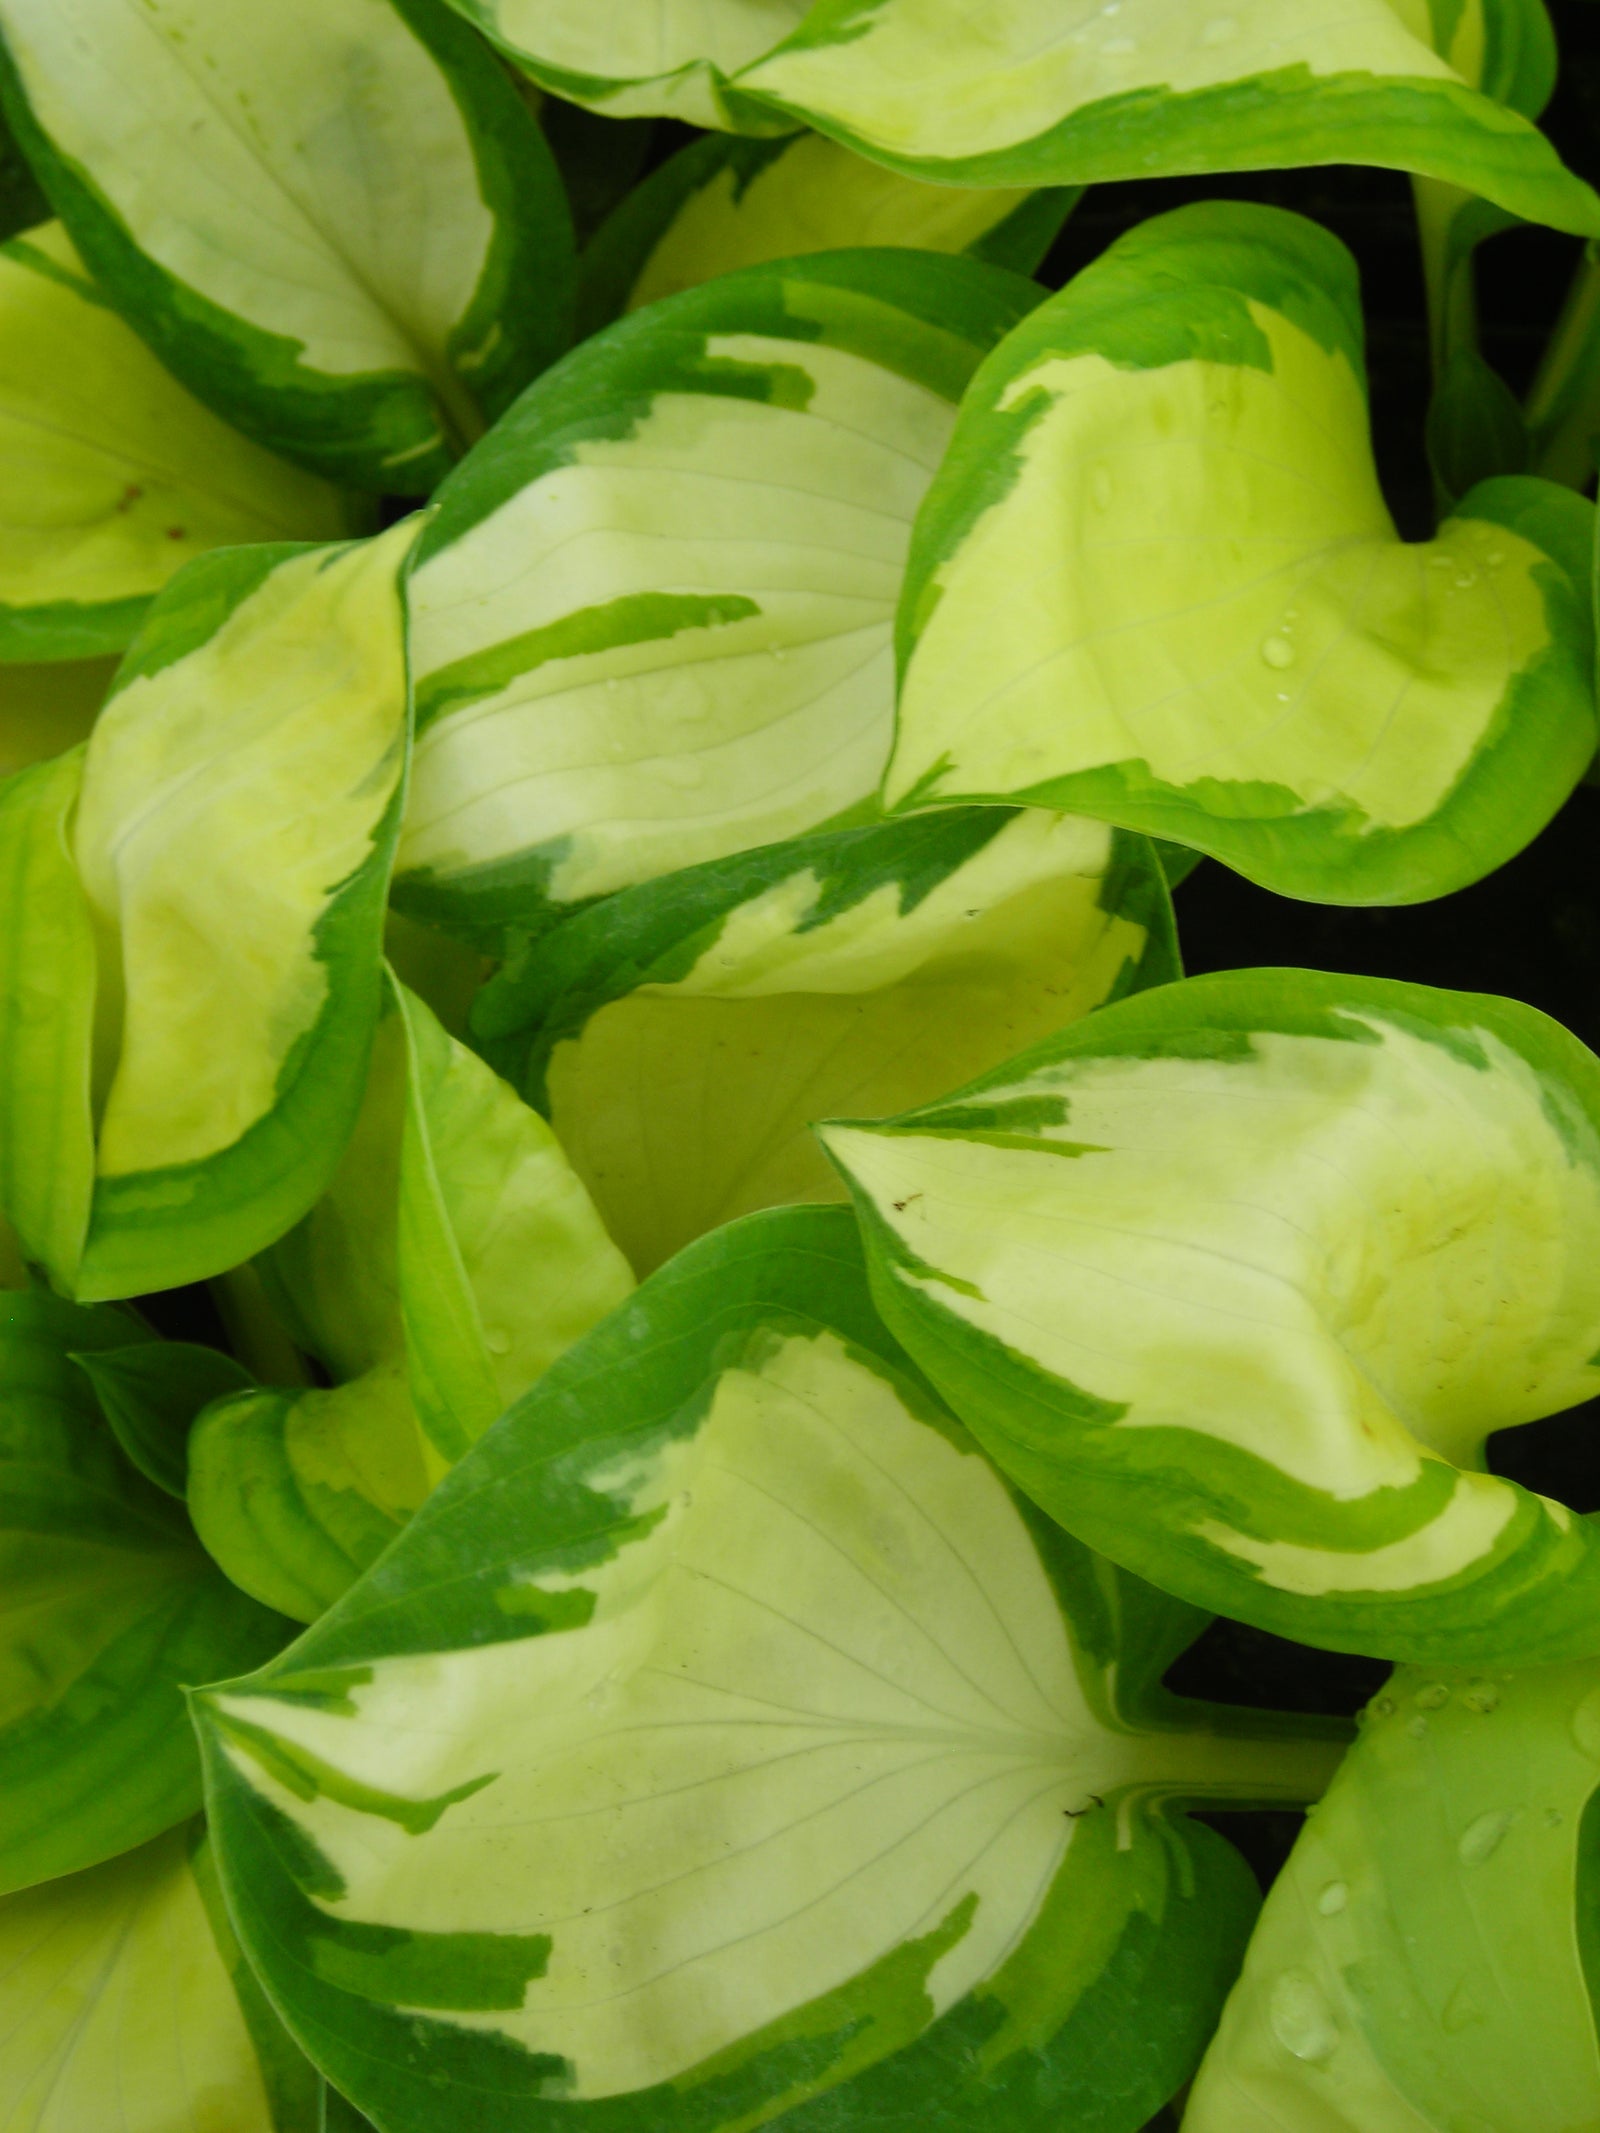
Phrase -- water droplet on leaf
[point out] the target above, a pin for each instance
(1333, 1899)
(1481, 1696)
(1480, 1840)
(1433, 1697)
(1300, 2017)
(1277, 652)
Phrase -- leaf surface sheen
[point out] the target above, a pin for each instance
(779, 1731)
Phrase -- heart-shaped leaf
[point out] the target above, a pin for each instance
(1156, 580)
(684, 1035)
(724, 1736)
(334, 220)
(1236, 1277)
(651, 613)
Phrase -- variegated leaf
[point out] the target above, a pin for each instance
(684, 1035)
(1237, 1277)
(723, 1740)
(1156, 580)
(334, 220)
(651, 613)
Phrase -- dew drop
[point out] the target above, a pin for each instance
(1418, 1729)
(1284, 697)
(1495, 558)
(1553, 1818)
(1480, 1840)
(1100, 489)
(1433, 1697)
(497, 1340)
(1383, 1707)
(1481, 1696)
(613, 685)
(1277, 652)
(1300, 2017)
(1333, 1899)
(1464, 578)
(1221, 29)
(779, 654)
(1586, 1725)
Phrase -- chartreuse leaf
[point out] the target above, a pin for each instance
(454, 1257)
(124, 2002)
(1059, 92)
(502, 1257)
(726, 202)
(1236, 1278)
(47, 997)
(628, 61)
(1156, 580)
(111, 474)
(239, 801)
(651, 613)
(361, 252)
(48, 706)
(1425, 1961)
(152, 1392)
(684, 1035)
(294, 1493)
(107, 1606)
(724, 1735)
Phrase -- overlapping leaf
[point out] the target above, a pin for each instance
(651, 613)
(788, 1757)
(684, 1035)
(1156, 580)
(197, 941)
(124, 2001)
(108, 1606)
(1426, 1957)
(334, 220)
(1071, 92)
(1237, 1277)
(454, 1257)
(726, 202)
(112, 476)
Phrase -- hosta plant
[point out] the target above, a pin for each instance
(793, 1766)
(684, 1444)
(1237, 1278)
